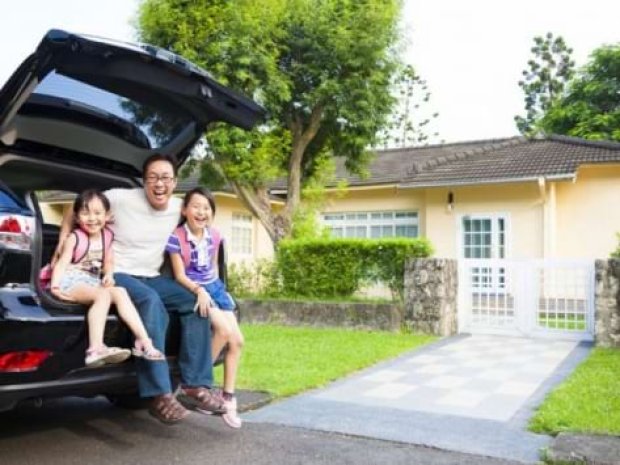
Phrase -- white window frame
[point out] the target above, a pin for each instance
(494, 217)
(364, 220)
(492, 278)
(242, 223)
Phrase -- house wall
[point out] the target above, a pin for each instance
(588, 213)
(378, 199)
(520, 202)
(261, 243)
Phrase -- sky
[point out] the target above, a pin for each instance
(471, 53)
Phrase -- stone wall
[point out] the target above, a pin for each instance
(431, 290)
(607, 303)
(385, 317)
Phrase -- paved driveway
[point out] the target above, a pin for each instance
(467, 394)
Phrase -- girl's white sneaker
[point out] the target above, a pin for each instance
(230, 417)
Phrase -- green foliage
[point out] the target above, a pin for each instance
(549, 70)
(306, 223)
(321, 68)
(406, 126)
(338, 267)
(285, 360)
(591, 106)
(587, 401)
(258, 278)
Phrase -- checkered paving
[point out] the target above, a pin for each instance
(486, 377)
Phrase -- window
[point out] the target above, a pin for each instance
(484, 237)
(372, 225)
(242, 229)
(147, 126)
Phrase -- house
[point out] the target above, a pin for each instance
(552, 197)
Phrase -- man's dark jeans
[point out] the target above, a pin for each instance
(154, 298)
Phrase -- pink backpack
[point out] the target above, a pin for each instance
(79, 252)
(186, 251)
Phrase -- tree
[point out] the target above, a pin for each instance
(408, 125)
(321, 68)
(544, 80)
(591, 106)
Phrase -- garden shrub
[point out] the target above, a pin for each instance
(259, 278)
(339, 267)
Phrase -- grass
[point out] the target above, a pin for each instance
(588, 401)
(286, 360)
(562, 321)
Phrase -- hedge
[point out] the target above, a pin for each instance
(339, 267)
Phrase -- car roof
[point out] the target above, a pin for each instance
(100, 102)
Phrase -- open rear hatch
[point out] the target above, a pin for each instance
(99, 101)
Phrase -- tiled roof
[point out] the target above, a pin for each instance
(193, 180)
(481, 162)
(396, 165)
(512, 160)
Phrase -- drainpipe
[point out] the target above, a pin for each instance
(548, 200)
(552, 220)
(542, 190)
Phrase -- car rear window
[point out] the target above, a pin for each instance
(157, 125)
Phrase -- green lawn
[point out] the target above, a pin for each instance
(588, 401)
(286, 360)
(567, 321)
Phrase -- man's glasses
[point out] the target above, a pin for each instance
(153, 179)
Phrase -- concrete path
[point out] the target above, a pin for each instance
(466, 394)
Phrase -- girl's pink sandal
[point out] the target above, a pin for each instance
(147, 352)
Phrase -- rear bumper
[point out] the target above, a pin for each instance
(85, 382)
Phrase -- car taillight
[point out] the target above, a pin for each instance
(16, 231)
(28, 360)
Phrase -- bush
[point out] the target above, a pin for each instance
(338, 267)
(255, 279)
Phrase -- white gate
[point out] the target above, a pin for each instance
(534, 298)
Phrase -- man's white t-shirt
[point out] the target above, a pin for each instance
(140, 231)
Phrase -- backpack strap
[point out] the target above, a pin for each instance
(186, 250)
(82, 244)
(216, 238)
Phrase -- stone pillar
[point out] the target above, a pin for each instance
(607, 303)
(431, 290)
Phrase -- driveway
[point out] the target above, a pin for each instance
(93, 432)
(467, 394)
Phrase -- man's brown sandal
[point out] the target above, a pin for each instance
(167, 409)
(202, 399)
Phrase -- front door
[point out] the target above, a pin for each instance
(483, 247)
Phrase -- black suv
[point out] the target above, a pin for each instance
(84, 112)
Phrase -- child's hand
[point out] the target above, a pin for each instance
(203, 303)
(107, 280)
